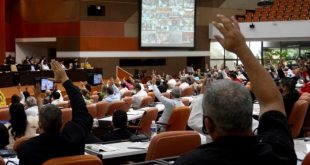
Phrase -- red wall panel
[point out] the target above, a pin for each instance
(2, 30)
(108, 44)
(101, 28)
(47, 29)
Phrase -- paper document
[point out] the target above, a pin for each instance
(139, 145)
(100, 148)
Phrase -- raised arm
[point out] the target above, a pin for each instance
(264, 88)
(79, 110)
(158, 95)
(37, 95)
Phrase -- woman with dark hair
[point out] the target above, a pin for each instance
(120, 131)
(20, 125)
(289, 93)
(15, 99)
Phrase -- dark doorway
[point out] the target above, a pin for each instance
(196, 62)
(51, 54)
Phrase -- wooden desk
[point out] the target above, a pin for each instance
(135, 114)
(9, 79)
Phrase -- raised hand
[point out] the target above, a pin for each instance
(153, 79)
(232, 39)
(59, 73)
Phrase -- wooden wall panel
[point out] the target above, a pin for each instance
(39, 11)
(109, 44)
(2, 31)
(202, 38)
(115, 11)
(10, 38)
(101, 28)
(68, 43)
(25, 30)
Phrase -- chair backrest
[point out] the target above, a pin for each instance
(63, 104)
(92, 110)
(297, 117)
(66, 116)
(95, 98)
(185, 101)
(127, 105)
(127, 94)
(101, 109)
(174, 143)
(2, 161)
(166, 94)
(5, 114)
(146, 120)
(188, 91)
(20, 141)
(306, 160)
(74, 160)
(178, 119)
(152, 95)
(113, 106)
(146, 101)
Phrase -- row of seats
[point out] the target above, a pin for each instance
(281, 10)
(166, 144)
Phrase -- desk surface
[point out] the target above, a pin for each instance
(135, 114)
(124, 148)
(121, 149)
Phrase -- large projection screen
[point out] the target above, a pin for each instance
(167, 24)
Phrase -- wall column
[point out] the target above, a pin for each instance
(2, 31)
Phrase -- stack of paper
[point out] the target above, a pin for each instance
(139, 145)
(100, 147)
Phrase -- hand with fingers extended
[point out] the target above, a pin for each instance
(59, 73)
(153, 79)
(232, 39)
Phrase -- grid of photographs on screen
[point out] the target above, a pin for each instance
(167, 23)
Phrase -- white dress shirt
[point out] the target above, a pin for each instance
(184, 85)
(32, 111)
(169, 104)
(171, 83)
(195, 117)
(123, 90)
(137, 98)
(55, 102)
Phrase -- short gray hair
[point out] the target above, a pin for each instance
(176, 92)
(183, 79)
(50, 118)
(31, 101)
(229, 105)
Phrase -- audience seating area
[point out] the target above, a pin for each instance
(281, 10)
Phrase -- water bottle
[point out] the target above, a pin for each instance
(153, 129)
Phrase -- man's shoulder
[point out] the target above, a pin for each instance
(198, 155)
(29, 145)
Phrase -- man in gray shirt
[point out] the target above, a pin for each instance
(169, 104)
